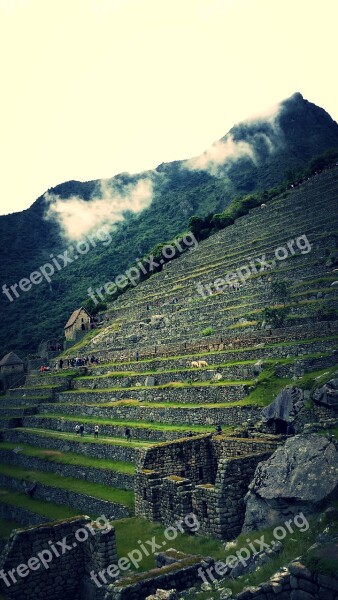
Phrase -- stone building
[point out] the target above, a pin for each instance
(207, 475)
(80, 320)
(11, 370)
(11, 364)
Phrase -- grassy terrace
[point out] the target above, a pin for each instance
(124, 423)
(265, 389)
(39, 507)
(28, 400)
(6, 528)
(196, 371)
(129, 531)
(97, 490)
(85, 440)
(174, 384)
(71, 458)
(205, 353)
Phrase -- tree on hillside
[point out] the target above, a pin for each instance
(275, 317)
(281, 290)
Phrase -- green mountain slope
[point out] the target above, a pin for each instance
(265, 150)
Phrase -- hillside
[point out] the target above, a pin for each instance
(214, 357)
(254, 155)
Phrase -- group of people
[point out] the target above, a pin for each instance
(77, 361)
(80, 430)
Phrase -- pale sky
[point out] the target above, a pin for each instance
(92, 88)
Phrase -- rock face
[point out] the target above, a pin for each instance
(285, 406)
(327, 394)
(299, 477)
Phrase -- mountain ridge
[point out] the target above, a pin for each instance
(178, 189)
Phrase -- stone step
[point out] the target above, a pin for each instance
(155, 378)
(227, 263)
(227, 260)
(254, 353)
(59, 490)
(116, 475)
(286, 335)
(27, 392)
(180, 393)
(106, 448)
(140, 430)
(173, 414)
(28, 511)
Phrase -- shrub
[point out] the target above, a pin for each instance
(275, 316)
(207, 331)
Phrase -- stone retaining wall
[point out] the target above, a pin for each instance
(184, 395)
(56, 574)
(290, 334)
(232, 373)
(103, 476)
(97, 450)
(137, 433)
(232, 415)
(305, 365)
(20, 515)
(223, 355)
(180, 575)
(294, 583)
(78, 501)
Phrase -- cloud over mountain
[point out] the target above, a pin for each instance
(78, 217)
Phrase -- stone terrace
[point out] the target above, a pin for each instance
(162, 397)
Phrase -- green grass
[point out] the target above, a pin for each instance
(123, 423)
(173, 384)
(7, 526)
(81, 344)
(85, 440)
(97, 490)
(40, 507)
(294, 545)
(284, 344)
(71, 458)
(323, 560)
(267, 388)
(315, 379)
(129, 531)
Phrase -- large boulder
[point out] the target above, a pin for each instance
(300, 476)
(285, 406)
(327, 394)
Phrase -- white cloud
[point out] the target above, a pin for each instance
(219, 152)
(77, 217)
(260, 127)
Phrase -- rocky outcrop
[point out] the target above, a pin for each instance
(327, 394)
(299, 477)
(285, 406)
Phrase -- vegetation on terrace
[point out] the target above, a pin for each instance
(97, 490)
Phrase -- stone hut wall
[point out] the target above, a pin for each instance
(50, 560)
(206, 475)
